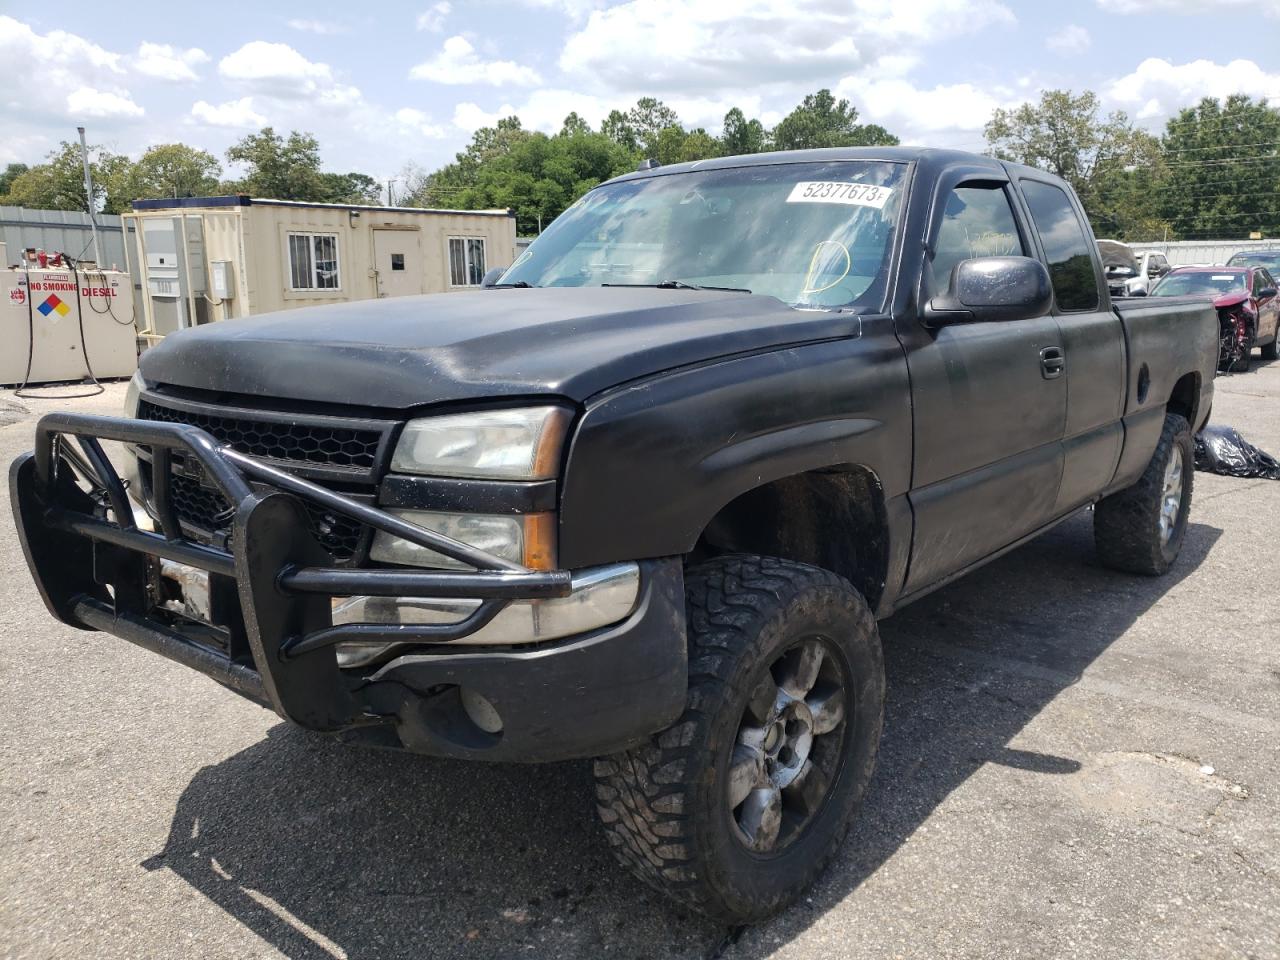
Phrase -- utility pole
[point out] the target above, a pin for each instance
(391, 202)
(88, 192)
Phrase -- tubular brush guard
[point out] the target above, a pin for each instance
(95, 568)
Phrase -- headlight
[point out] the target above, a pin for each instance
(520, 444)
(601, 596)
(527, 539)
(131, 394)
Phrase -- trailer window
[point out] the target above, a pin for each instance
(1075, 285)
(313, 261)
(466, 261)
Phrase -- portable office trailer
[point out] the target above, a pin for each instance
(203, 259)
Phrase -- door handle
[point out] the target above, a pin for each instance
(1053, 363)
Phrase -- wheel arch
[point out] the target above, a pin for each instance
(1184, 399)
(834, 518)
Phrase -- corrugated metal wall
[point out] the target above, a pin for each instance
(62, 231)
(1210, 252)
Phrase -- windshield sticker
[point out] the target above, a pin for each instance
(1223, 276)
(832, 191)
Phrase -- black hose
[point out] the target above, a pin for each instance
(109, 311)
(22, 390)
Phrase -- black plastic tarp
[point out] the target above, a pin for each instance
(1222, 450)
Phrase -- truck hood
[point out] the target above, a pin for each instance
(410, 351)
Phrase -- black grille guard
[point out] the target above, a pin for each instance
(89, 561)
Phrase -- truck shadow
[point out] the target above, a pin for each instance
(330, 851)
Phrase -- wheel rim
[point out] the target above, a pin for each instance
(787, 751)
(1171, 498)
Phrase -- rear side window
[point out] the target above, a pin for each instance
(977, 222)
(1075, 286)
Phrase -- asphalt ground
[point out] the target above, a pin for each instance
(1076, 763)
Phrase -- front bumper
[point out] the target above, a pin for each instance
(271, 596)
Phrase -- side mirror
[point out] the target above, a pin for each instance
(492, 276)
(990, 289)
(1137, 292)
(1266, 293)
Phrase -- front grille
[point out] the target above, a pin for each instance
(289, 442)
(350, 454)
(208, 515)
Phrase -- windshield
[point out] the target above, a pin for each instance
(1179, 284)
(1269, 260)
(810, 234)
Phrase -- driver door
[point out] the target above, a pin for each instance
(989, 404)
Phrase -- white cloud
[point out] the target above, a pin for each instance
(165, 62)
(58, 76)
(88, 102)
(1158, 88)
(432, 19)
(321, 27)
(573, 9)
(233, 113)
(275, 69)
(1268, 7)
(55, 47)
(458, 63)
(724, 45)
(945, 115)
(1070, 39)
(470, 116)
(418, 122)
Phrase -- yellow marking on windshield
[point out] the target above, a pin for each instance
(812, 273)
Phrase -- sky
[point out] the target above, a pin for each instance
(388, 84)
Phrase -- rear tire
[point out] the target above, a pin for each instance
(724, 811)
(1141, 528)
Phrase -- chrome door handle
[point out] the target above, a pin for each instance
(1053, 363)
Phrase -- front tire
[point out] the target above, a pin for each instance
(1272, 350)
(1141, 528)
(1245, 361)
(736, 808)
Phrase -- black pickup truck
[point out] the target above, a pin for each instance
(645, 498)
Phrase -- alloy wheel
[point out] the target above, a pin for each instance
(787, 752)
(1171, 497)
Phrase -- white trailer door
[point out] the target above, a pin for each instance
(397, 260)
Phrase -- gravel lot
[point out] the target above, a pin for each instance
(1076, 763)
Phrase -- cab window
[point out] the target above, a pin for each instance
(976, 222)
(1075, 285)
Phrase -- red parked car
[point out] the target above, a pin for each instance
(1248, 308)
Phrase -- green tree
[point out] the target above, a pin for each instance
(648, 119)
(277, 167)
(171, 170)
(574, 124)
(9, 174)
(349, 188)
(618, 128)
(1223, 163)
(537, 176)
(1064, 134)
(822, 121)
(742, 136)
(58, 183)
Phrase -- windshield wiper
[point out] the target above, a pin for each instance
(519, 284)
(677, 285)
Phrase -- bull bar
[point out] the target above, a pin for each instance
(91, 564)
